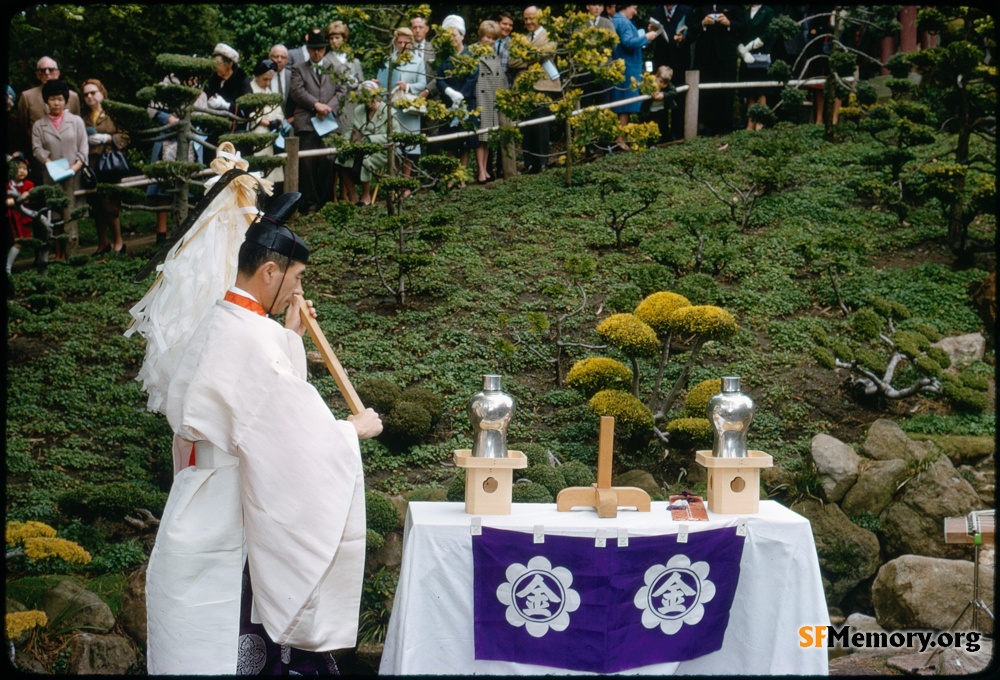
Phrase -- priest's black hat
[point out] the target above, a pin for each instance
(269, 230)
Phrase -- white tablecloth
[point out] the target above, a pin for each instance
(780, 590)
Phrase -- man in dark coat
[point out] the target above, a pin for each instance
(672, 47)
(718, 30)
(314, 93)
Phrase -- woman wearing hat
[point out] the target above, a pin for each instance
(337, 58)
(459, 90)
(225, 86)
(272, 117)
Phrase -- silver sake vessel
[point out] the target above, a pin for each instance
(730, 413)
(490, 412)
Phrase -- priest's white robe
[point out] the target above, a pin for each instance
(277, 478)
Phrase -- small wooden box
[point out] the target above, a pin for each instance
(734, 483)
(489, 481)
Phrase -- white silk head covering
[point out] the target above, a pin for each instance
(192, 279)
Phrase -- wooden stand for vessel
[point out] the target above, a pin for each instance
(734, 483)
(489, 481)
(606, 498)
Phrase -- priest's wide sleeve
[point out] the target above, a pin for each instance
(303, 504)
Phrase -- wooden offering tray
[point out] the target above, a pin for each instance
(734, 483)
(489, 481)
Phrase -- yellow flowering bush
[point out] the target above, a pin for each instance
(630, 334)
(690, 432)
(18, 532)
(42, 547)
(593, 374)
(696, 401)
(657, 308)
(707, 321)
(629, 413)
(19, 623)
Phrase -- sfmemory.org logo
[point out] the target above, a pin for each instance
(829, 636)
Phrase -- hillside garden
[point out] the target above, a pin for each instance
(838, 262)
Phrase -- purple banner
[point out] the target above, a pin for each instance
(567, 604)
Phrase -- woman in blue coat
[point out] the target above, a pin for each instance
(629, 49)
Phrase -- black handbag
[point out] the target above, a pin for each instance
(88, 177)
(760, 61)
(112, 166)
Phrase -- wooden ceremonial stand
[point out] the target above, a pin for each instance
(606, 498)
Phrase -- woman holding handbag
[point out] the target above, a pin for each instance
(105, 157)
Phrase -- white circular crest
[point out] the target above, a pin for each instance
(674, 594)
(538, 596)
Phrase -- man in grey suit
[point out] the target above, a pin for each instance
(31, 106)
(314, 93)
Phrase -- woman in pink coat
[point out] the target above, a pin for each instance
(61, 134)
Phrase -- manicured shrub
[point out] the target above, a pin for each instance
(535, 453)
(690, 432)
(629, 334)
(577, 474)
(406, 424)
(530, 492)
(705, 320)
(429, 400)
(939, 355)
(546, 475)
(866, 323)
(965, 399)
(980, 383)
(373, 540)
(382, 516)
(111, 501)
(696, 401)
(456, 488)
(378, 394)
(657, 308)
(629, 413)
(593, 374)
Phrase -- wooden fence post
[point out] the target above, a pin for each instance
(292, 164)
(691, 78)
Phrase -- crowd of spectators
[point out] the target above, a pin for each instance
(726, 43)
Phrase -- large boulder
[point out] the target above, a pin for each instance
(133, 612)
(965, 661)
(860, 623)
(638, 478)
(886, 441)
(75, 607)
(101, 655)
(876, 485)
(848, 554)
(963, 349)
(914, 591)
(913, 524)
(836, 464)
(983, 481)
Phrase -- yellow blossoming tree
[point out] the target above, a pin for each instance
(649, 331)
(38, 542)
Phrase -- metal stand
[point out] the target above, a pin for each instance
(976, 602)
